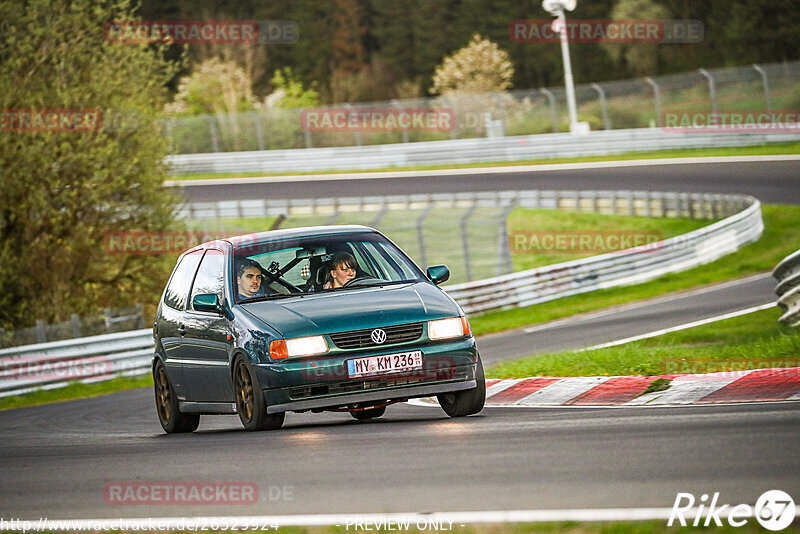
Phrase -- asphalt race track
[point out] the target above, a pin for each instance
(776, 182)
(56, 460)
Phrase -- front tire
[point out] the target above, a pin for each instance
(250, 403)
(467, 402)
(172, 420)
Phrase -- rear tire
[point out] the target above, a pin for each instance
(172, 420)
(250, 403)
(363, 415)
(467, 402)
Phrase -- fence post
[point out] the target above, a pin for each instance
(379, 217)
(404, 131)
(357, 132)
(553, 110)
(41, 331)
(306, 133)
(421, 237)
(503, 251)
(259, 129)
(465, 240)
(657, 98)
(76, 325)
(765, 81)
(107, 318)
(712, 90)
(169, 125)
(140, 322)
(212, 128)
(603, 104)
(452, 105)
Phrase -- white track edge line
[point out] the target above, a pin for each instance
(680, 327)
(790, 400)
(644, 303)
(340, 519)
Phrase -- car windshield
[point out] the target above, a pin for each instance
(298, 266)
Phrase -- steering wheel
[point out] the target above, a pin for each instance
(353, 281)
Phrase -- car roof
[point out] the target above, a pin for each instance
(288, 233)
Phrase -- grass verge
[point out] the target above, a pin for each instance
(757, 150)
(542, 236)
(753, 341)
(76, 390)
(780, 239)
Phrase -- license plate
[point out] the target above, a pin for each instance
(388, 363)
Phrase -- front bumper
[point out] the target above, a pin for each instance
(403, 393)
(324, 383)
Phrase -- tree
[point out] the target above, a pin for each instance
(63, 192)
(289, 93)
(640, 58)
(479, 67)
(216, 86)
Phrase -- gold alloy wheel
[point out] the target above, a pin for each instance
(244, 391)
(162, 386)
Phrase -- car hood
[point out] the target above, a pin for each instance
(354, 309)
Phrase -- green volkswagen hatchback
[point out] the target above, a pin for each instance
(308, 319)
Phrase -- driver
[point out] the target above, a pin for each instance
(248, 279)
(341, 269)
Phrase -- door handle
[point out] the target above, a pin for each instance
(182, 330)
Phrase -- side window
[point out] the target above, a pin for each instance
(178, 288)
(210, 275)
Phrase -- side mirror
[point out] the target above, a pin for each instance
(207, 302)
(439, 274)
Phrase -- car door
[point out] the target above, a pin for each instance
(169, 325)
(207, 342)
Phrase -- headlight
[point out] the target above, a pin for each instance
(297, 347)
(448, 328)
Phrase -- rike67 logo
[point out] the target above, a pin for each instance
(774, 510)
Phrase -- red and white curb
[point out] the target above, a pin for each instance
(756, 385)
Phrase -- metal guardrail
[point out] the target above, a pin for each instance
(639, 203)
(617, 268)
(49, 365)
(88, 359)
(478, 150)
(110, 321)
(788, 289)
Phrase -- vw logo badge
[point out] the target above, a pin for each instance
(378, 336)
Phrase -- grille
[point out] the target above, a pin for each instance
(357, 339)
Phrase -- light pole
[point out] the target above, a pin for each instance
(557, 8)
